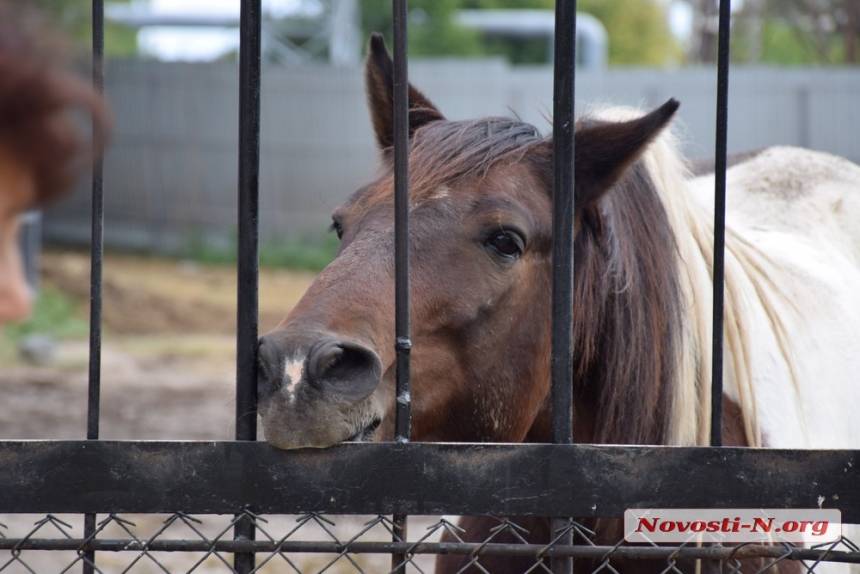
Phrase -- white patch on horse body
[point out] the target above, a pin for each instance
(792, 274)
(788, 173)
(795, 262)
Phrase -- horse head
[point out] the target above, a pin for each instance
(480, 203)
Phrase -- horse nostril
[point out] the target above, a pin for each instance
(347, 369)
(270, 376)
(334, 361)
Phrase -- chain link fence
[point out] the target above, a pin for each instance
(316, 543)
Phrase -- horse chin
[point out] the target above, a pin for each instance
(289, 424)
(368, 433)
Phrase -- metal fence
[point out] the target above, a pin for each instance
(234, 486)
(208, 488)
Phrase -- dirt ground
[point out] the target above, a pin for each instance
(147, 296)
(168, 352)
(168, 372)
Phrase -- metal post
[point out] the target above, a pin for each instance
(720, 222)
(97, 246)
(562, 246)
(96, 257)
(250, 30)
(402, 344)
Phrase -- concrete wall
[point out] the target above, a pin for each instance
(171, 171)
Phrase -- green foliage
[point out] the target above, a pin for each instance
(197, 248)
(300, 253)
(432, 29)
(638, 30)
(53, 314)
(785, 32)
(74, 18)
(509, 4)
(783, 44)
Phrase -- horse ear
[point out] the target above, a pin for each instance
(379, 81)
(605, 150)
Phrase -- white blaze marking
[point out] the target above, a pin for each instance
(292, 375)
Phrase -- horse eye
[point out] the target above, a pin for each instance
(337, 227)
(507, 244)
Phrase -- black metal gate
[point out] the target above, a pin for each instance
(242, 480)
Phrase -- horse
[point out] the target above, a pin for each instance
(480, 203)
(43, 151)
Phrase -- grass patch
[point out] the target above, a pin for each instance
(306, 255)
(299, 253)
(53, 314)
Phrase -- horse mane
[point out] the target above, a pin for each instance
(443, 152)
(748, 281)
(688, 420)
(39, 97)
(629, 320)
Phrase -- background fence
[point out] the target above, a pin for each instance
(171, 170)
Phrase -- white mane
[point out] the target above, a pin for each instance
(748, 281)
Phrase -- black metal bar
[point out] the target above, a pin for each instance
(398, 558)
(720, 222)
(97, 246)
(402, 342)
(248, 224)
(250, 34)
(564, 73)
(88, 558)
(497, 479)
(562, 222)
(96, 271)
(462, 548)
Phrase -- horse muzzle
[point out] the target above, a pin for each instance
(316, 393)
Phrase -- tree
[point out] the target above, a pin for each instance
(638, 30)
(74, 18)
(432, 28)
(782, 31)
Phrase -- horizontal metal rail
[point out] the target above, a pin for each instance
(412, 548)
(504, 480)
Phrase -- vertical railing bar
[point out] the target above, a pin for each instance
(97, 240)
(402, 342)
(564, 75)
(562, 238)
(96, 271)
(250, 31)
(720, 222)
(401, 222)
(248, 221)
